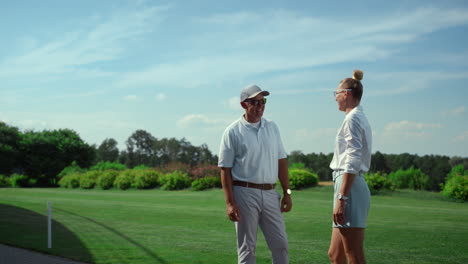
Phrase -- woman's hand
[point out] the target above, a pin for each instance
(339, 217)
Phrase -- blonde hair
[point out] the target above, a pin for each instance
(354, 83)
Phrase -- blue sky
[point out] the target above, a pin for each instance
(176, 68)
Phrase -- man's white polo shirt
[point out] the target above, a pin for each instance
(252, 153)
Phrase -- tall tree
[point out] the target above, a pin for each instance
(9, 144)
(379, 163)
(43, 155)
(108, 150)
(456, 160)
(140, 148)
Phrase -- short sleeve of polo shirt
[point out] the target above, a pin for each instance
(281, 152)
(226, 150)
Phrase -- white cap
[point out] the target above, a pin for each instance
(251, 91)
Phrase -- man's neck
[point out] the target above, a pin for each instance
(251, 119)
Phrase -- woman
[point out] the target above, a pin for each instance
(351, 160)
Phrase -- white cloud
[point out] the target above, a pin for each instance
(462, 137)
(233, 103)
(160, 97)
(405, 125)
(453, 112)
(130, 98)
(409, 129)
(324, 133)
(406, 82)
(102, 41)
(199, 120)
(260, 42)
(195, 120)
(34, 124)
(92, 127)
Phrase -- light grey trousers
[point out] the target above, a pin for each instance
(260, 208)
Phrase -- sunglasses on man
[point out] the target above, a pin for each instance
(256, 102)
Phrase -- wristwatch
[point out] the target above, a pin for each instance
(342, 197)
(288, 191)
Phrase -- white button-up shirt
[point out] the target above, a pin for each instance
(251, 152)
(353, 149)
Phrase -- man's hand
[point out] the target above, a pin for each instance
(286, 203)
(233, 212)
(339, 217)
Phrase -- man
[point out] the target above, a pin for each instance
(252, 158)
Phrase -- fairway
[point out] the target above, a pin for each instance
(156, 226)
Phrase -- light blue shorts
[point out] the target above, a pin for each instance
(358, 204)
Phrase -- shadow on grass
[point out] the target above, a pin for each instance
(27, 229)
(133, 242)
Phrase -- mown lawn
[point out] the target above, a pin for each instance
(156, 226)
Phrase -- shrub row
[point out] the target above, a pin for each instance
(4, 181)
(378, 182)
(206, 183)
(16, 180)
(411, 178)
(137, 178)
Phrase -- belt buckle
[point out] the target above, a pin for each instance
(247, 184)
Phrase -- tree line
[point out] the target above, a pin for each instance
(435, 166)
(42, 155)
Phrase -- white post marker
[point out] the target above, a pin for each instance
(49, 224)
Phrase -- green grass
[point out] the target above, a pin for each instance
(155, 226)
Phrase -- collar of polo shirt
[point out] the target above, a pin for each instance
(250, 125)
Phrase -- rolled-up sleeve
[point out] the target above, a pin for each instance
(226, 151)
(354, 145)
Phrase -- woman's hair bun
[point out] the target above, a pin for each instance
(358, 74)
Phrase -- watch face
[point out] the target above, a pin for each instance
(288, 191)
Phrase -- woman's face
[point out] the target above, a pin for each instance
(341, 95)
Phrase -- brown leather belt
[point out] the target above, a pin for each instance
(265, 186)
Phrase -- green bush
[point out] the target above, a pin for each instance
(174, 181)
(73, 168)
(125, 179)
(301, 178)
(71, 180)
(107, 165)
(88, 180)
(458, 170)
(141, 167)
(19, 180)
(4, 181)
(206, 183)
(146, 179)
(411, 178)
(378, 182)
(298, 165)
(106, 180)
(456, 185)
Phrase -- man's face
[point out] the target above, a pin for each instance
(254, 107)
